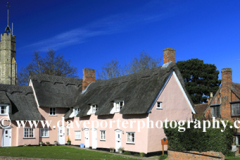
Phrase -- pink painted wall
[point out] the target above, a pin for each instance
(53, 133)
(140, 137)
(175, 107)
(28, 141)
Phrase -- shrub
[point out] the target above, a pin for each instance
(136, 154)
(127, 153)
(142, 154)
(230, 153)
(194, 139)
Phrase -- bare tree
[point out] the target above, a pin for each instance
(141, 62)
(52, 64)
(110, 70)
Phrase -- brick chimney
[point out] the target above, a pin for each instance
(226, 77)
(226, 93)
(168, 55)
(88, 77)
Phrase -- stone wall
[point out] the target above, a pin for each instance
(209, 155)
(8, 63)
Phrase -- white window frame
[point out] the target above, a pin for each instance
(101, 132)
(28, 132)
(76, 138)
(7, 109)
(94, 108)
(117, 105)
(159, 105)
(134, 137)
(76, 111)
(55, 113)
(46, 130)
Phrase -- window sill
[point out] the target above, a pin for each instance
(77, 139)
(44, 137)
(53, 115)
(102, 139)
(3, 114)
(133, 143)
(159, 109)
(29, 138)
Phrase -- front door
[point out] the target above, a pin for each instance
(61, 137)
(7, 134)
(118, 139)
(86, 133)
(94, 138)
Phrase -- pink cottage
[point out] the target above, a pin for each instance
(125, 112)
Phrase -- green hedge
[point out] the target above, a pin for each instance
(196, 140)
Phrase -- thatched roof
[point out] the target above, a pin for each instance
(138, 91)
(55, 91)
(22, 105)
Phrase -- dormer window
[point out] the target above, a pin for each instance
(94, 108)
(52, 111)
(76, 111)
(3, 109)
(119, 105)
(159, 105)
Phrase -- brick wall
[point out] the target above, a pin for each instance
(209, 155)
(88, 77)
(168, 55)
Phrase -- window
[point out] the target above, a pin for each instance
(130, 137)
(28, 132)
(44, 132)
(3, 110)
(94, 108)
(76, 111)
(215, 111)
(159, 105)
(235, 107)
(52, 111)
(103, 135)
(68, 133)
(77, 134)
(119, 105)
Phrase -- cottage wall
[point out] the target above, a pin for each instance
(140, 144)
(53, 132)
(174, 107)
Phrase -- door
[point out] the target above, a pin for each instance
(7, 136)
(86, 134)
(61, 137)
(118, 139)
(94, 138)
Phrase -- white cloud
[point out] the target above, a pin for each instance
(108, 25)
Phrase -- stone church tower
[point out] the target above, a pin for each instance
(8, 65)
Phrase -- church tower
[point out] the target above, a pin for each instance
(8, 65)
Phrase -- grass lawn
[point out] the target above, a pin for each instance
(232, 158)
(58, 152)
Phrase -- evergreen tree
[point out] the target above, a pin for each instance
(200, 79)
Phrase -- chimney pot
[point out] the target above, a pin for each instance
(168, 55)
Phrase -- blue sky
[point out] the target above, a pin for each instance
(93, 32)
